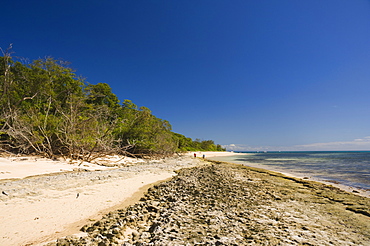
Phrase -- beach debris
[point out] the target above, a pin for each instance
(4, 193)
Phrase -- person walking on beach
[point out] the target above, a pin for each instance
(195, 155)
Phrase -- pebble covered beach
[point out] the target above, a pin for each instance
(219, 203)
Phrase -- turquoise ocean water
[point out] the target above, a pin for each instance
(350, 168)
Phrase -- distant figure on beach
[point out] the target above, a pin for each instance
(204, 156)
(195, 155)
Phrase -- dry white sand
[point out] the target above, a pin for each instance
(213, 153)
(54, 203)
(57, 213)
(25, 166)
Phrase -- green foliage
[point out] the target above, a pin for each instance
(101, 94)
(149, 134)
(45, 108)
(187, 144)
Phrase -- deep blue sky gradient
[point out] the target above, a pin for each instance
(258, 74)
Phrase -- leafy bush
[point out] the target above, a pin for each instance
(45, 108)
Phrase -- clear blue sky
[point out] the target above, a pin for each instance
(274, 74)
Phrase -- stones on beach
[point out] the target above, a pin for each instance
(230, 205)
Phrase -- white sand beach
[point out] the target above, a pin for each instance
(213, 153)
(42, 200)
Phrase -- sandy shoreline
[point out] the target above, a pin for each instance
(18, 167)
(209, 154)
(230, 204)
(35, 209)
(39, 208)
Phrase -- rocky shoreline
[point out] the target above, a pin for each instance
(41, 208)
(229, 204)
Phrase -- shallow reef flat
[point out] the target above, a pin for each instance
(229, 204)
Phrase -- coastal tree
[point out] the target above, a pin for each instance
(36, 101)
(147, 134)
(47, 109)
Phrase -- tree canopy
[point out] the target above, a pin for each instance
(46, 109)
